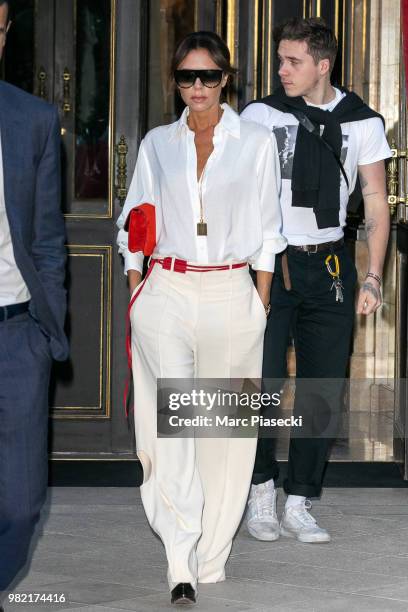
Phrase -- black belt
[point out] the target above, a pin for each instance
(315, 248)
(8, 312)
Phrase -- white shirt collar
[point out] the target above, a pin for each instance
(230, 122)
(339, 95)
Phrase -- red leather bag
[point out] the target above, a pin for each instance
(141, 226)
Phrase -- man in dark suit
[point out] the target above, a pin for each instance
(32, 308)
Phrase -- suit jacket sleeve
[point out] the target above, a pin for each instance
(48, 247)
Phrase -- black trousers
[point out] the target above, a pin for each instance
(322, 331)
(25, 364)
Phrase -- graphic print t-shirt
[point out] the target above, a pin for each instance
(364, 143)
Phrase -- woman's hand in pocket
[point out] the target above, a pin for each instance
(263, 286)
(134, 278)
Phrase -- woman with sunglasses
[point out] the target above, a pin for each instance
(213, 180)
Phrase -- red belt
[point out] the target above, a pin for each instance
(167, 263)
(181, 265)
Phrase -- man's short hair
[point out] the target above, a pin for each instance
(320, 40)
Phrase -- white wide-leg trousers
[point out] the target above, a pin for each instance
(194, 325)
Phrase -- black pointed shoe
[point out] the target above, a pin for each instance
(184, 594)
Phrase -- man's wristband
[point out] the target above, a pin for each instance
(267, 309)
(375, 276)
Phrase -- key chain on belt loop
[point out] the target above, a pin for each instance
(337, 284)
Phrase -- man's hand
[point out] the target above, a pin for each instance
(377, 224)
(369, 298)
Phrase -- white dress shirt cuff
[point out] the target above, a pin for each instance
(266, 259)
(133, 261)
(265, 262)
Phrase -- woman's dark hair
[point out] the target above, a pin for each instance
(210, 41)
(320, 40)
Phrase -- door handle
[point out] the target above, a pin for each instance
(394, 198)
(121, 150)
(66, 81)
(42, 77)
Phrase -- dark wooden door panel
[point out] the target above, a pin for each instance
(83, 383)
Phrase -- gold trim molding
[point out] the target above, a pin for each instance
(232, 29)
(256, 49)
(101, 411)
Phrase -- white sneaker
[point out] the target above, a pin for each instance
(261, 518)
(298, 523)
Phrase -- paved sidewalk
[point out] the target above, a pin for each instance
(96, 547)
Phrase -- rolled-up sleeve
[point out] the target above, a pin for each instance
(268, 173)
(140, 191)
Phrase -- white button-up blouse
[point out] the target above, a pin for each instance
(240, 194)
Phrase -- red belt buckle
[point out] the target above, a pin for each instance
(166, 265)
(180, 265)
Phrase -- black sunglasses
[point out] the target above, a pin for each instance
(187, 78)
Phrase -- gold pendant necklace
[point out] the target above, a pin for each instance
(202, 225)
(201, 228)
